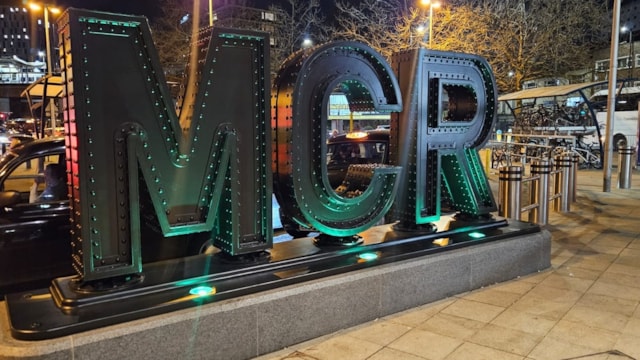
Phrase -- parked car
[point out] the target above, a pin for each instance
(368, 147)
(21, 126)
(35, 240)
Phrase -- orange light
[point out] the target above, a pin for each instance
(38, 7)
(441, 242)
(434, 4)
(356, 135)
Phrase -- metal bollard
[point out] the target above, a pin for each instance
(573, 177)
(540, 192)
(625, 166)
(510, 183)
(563, 165)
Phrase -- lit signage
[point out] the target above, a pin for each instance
(207, 165)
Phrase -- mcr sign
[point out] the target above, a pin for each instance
(132, 165)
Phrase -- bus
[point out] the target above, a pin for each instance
(625, 121)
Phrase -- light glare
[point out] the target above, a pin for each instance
(202, 291)
(368, 256)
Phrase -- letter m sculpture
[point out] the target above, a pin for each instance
(131, 162)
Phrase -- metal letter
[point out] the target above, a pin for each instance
(300, 97)
(451, 101)
(126, 149)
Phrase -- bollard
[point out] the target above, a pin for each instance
(625, 166)
(485, 156)
(573, 177)
(563, 165)
(510, 183)
(540, 192)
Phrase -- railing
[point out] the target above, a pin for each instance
(546, 186)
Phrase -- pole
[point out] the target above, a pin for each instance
(351, 121)
(631, 55)
(210, 12)
(47, 39)
(430, 25)
(613, 67)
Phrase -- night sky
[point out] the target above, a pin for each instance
(130, 7)
(147, 8)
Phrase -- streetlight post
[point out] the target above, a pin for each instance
(623, 30)
(611, 101)
(431, 5)
(47, 38)
(210, 12)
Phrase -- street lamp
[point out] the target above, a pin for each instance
(623, 30)
(211, 13)
(431, 5)
(46, 9)
(511, 74)
(420, 30)
(307, 43)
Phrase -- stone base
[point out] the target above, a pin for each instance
(257, 324)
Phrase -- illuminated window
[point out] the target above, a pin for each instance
(269, 16)
(624, 63)
(602, 65)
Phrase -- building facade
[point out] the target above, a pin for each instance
(15, 32)
(628, 62)
(22, 55)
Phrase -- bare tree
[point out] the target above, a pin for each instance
(384, 25)
(295, 22)
(172, 35)
(525, 40)
(521, 39)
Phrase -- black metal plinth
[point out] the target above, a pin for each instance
(187, 282)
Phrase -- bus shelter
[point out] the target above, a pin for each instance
(42, 96)
(563, 109)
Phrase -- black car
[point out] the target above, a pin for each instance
(35, 240)
(34, 237)
(366, 147)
